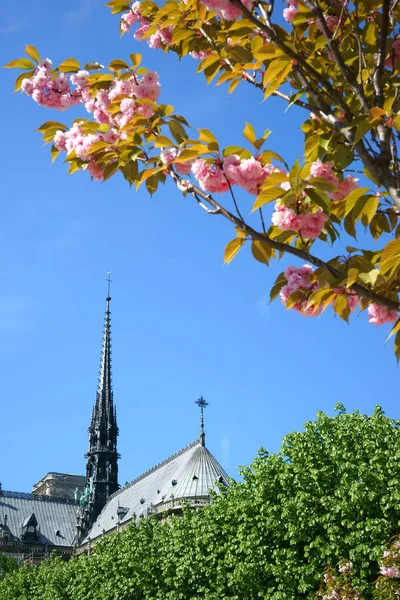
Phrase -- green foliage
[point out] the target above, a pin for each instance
(331, 492)
(7, 564)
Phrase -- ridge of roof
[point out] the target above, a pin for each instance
(38, 497)
(155, 468)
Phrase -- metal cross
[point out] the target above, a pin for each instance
(202, 404)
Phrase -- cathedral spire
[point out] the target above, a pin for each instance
(102, 456)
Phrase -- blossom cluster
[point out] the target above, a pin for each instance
(379, 315)
(49, 92)
(55, 91)
(217, 177)
(289, 13)
(309, 224)
(162, 37)
(168, 155)
(340, 587)
(300, 280)
(76, 139)
(225, 9)
(302, 218)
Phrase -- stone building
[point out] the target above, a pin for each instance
(67, 513)
(59, 485)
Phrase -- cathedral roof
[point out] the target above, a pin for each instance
(186, 476)
(52, 514)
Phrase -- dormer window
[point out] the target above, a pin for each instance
(29, 529)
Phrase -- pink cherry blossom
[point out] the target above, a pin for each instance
(225, 9)
(168, 155)
(80, 79)
(346, 568)
(211, 178)
(95, 171)
(200, 54)
(344, 188)
(313, 224)
(290, 13)
(49, 92)
(390, 572)
(299, 280)
(286, 219)
(249, 173)
(324, 170)
(378, 314)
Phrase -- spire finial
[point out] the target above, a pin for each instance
(202, 404)
(109, 282)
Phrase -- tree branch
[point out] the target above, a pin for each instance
(334, 48)
(280, 246)
(269, 30)
(378, 72)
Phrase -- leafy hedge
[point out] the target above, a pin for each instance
(331, 492)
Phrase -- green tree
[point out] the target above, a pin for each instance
(8, 564)
(337, 61)
(331, 493)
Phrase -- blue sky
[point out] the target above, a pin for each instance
(183, 324)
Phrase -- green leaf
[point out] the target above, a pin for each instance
(32, 52)
(395, 329)
(20, 63)
(162, 141)
(51, 124)
(136, 59)
(353, 198)
(20, 79)
(232, 248)
(54, 153)
(249, 133)
(341, 307)
(69, 65)
(207, 136)
(390, 257)
(117, 65)
(177, 131)
(267, 196)
(261, 251)
(362, 130)
(352, 277)
(370, 207)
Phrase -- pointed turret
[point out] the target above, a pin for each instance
(102, 456)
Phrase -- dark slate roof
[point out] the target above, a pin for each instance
(187, 475)
(52, 514)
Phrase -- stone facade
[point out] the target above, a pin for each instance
(59, 485)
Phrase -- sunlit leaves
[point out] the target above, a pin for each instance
(69, 65)
(232, 248)
(33, 53)
(390, 261)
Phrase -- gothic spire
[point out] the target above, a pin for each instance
(104, 407)
(102, 456)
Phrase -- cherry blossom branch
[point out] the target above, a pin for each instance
(188, 187)
(334, 48)
(269, 30)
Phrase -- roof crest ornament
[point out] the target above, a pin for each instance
(202, 404)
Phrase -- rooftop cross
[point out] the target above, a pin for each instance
(202, 404)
